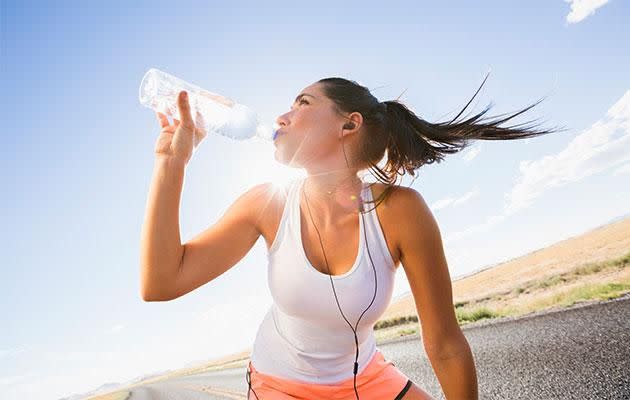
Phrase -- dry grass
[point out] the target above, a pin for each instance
(601, 244)
(122, 395)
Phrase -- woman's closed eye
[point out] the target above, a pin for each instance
(300, 102)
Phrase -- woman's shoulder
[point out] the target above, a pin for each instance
(395, 197)
(391, 209)
(272, 195)
(261, 198)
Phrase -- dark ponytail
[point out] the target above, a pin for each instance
(409, 140)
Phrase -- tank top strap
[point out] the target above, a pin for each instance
(366, 195)
(293, 199)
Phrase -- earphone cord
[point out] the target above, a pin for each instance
(356, 341)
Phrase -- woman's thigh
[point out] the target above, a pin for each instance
(415, 392)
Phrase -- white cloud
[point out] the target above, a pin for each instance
(472, 153)
(580, 9)
(603, 146)
(116, 329)
(12, 380)
(454, 202)
(624, 169)
(11, 352)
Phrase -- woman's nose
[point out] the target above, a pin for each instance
(282, 120)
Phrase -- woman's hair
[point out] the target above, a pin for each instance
(409, 140)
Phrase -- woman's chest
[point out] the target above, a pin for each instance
(340, 245)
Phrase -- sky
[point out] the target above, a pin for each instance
(78, 154)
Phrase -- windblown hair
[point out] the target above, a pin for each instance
(410, 141)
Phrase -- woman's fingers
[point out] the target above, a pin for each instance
(162, 119)
(200, 122)
(184, 111)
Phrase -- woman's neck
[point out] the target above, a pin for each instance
(332, 199)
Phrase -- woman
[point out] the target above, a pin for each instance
(332, 258)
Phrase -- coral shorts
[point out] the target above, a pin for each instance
(380, 380)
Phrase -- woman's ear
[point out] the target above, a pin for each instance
(355, 120)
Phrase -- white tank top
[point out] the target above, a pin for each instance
(303, 336)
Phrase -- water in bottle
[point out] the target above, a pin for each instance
(210, 111)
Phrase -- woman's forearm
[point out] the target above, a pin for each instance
(456, 372)
(160, 243)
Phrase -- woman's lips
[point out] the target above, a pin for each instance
(277, 134)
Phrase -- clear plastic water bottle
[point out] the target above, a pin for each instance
(219, 114)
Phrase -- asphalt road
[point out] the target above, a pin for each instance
(582, 352)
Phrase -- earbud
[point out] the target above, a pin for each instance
(349, 125)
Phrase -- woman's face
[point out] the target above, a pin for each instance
(309, 133)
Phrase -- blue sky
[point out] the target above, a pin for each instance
(78, 154)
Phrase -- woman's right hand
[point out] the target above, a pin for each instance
(179, 140)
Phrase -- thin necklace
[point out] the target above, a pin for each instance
(330, 192)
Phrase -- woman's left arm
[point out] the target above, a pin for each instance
(424, 262)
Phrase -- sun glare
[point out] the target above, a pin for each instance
(267, 169)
